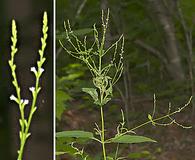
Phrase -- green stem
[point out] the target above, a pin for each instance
(25, 134)
(100, 63)
(160, 118)
(103, 135)
(116, 153)
(153, 120)
(20, 154)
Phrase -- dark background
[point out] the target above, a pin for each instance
(159, 58)
(28, 15)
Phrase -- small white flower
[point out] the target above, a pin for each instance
(41, 70)
(33, 69)
(26, 101)
(13, 98)
(32, 89)
(21, 100)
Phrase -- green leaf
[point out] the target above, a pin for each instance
(138, 155)
(74, 134)
(62, 97)
(79, 32)
(62, 147)
(149, 117)
(74, 76)
(65, 148)
(131, 139)
(92, 92)
(109, 158)
(84, 31)
(60, 153)
(106, 100)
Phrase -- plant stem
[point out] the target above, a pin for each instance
(153, 120)
(102, 135)
(116, 154)
(26, 132)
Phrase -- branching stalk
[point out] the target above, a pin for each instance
(153, 121)
(104, 77)
(26, 122)
(103, 134)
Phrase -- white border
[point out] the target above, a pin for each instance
(54, 78)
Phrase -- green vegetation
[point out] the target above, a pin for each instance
(105, 64)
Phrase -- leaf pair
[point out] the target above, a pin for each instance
(118, 139)
(94, 94)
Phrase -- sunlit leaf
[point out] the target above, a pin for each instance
(92, 92)
(74, 134)
(131, 139)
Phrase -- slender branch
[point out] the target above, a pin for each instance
(188, 37)
(152, 121)
(25, 123)
(152, 50)
(80, 9)
(103, 134)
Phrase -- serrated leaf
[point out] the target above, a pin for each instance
(131, 139)
(92, 92)
(74, 134)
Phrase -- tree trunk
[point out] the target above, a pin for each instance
(161, 14)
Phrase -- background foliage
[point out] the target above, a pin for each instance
(157, 60)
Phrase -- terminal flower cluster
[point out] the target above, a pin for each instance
(25, 121)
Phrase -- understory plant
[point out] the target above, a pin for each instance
(106, 66)
(26, 119)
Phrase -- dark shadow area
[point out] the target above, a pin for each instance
(28, 15)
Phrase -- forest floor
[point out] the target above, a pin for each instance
(174, 143)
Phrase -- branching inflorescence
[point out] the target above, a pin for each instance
(93, 58)
(105, 75)
(24, 121)
(102, 79)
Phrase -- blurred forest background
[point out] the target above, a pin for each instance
(159, 58)
(28, 15)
